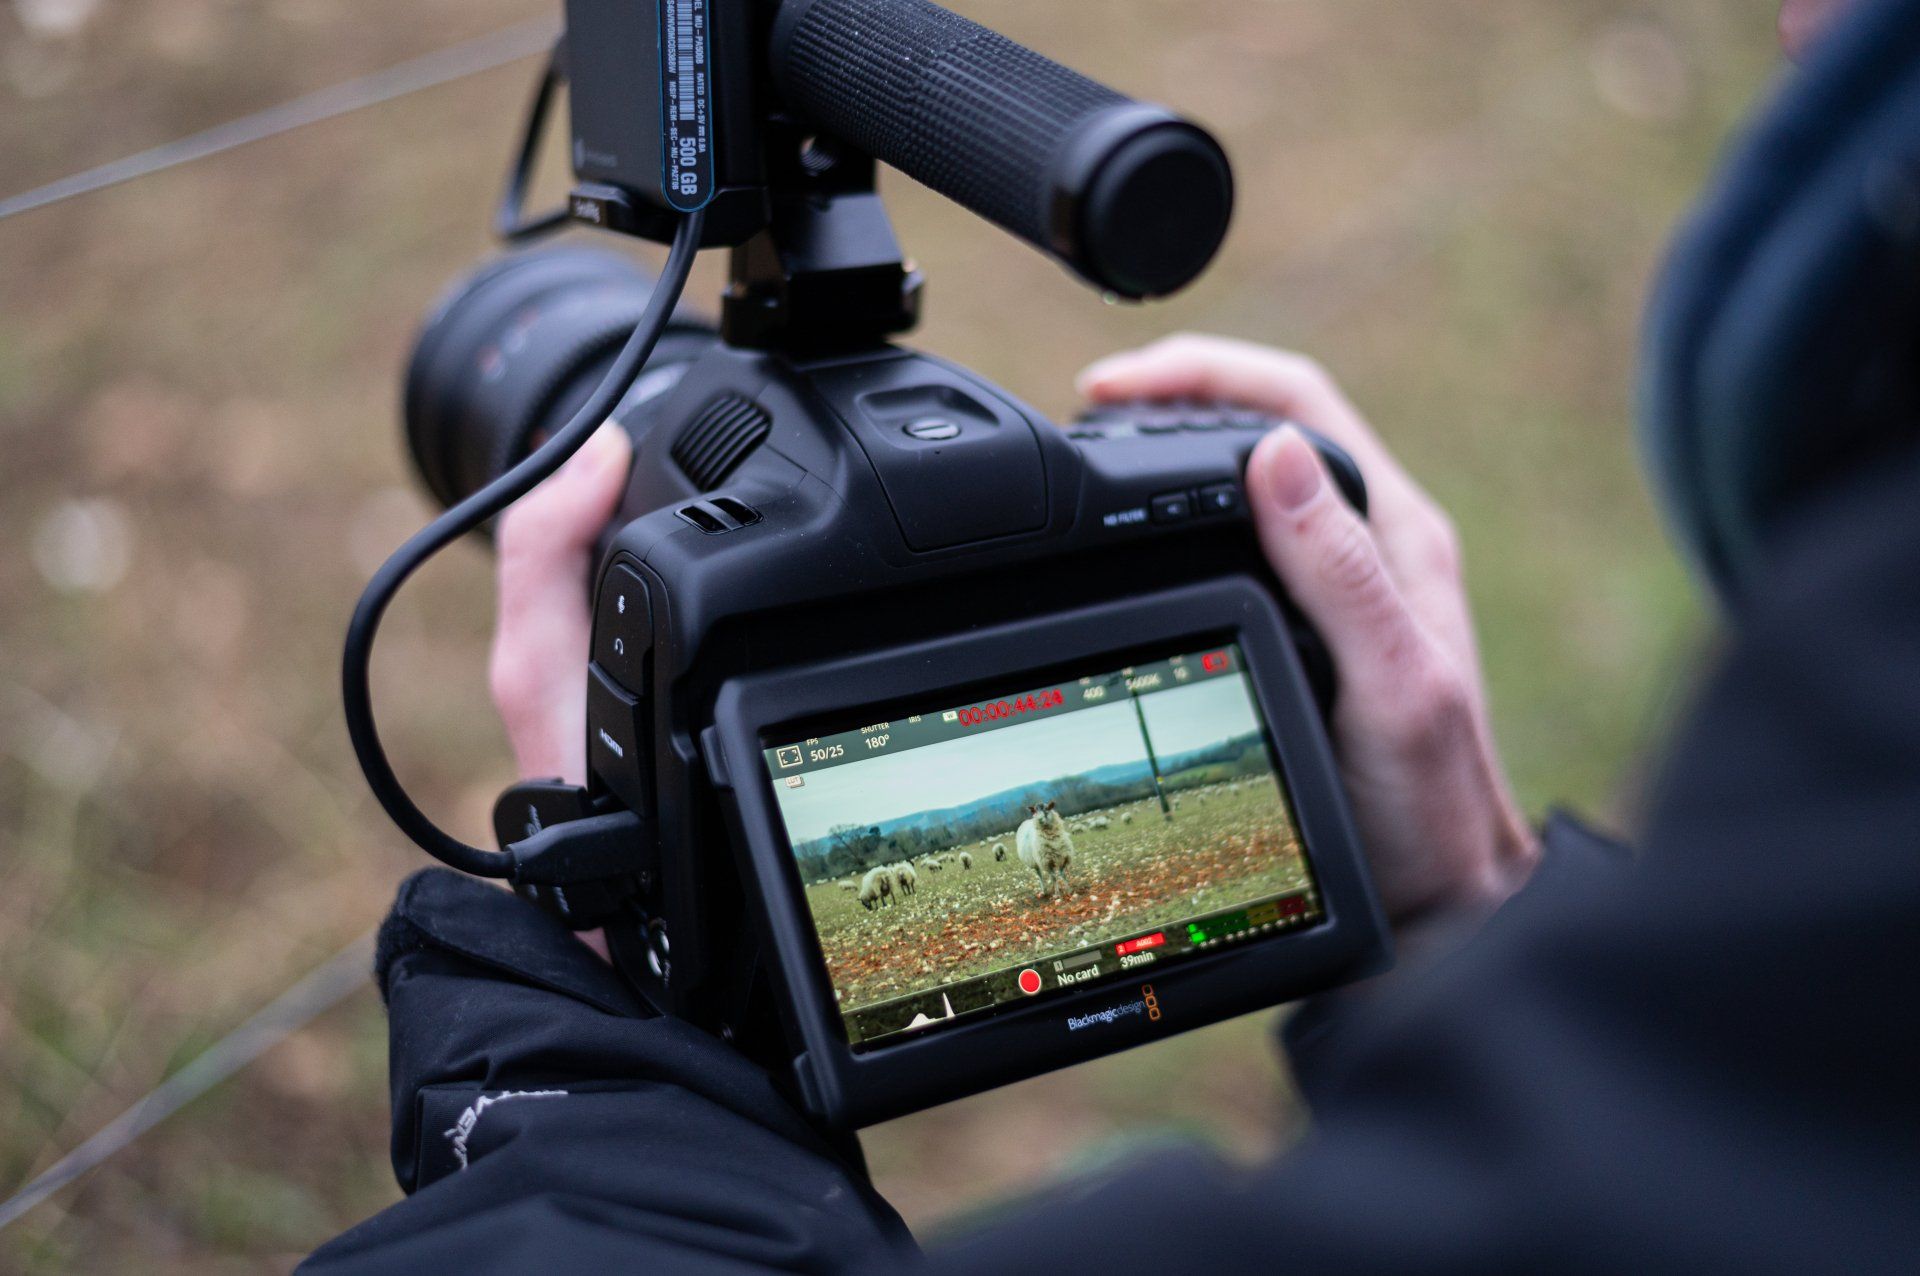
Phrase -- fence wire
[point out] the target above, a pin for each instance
(429, 70)
(341, 975)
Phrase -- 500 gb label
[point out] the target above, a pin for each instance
(686, 117)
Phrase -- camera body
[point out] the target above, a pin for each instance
(931, 745)
(818, 549)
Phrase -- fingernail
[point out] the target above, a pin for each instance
(1293, 471)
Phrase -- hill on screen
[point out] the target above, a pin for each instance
(1081, 791)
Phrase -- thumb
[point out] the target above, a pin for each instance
(1327, 558)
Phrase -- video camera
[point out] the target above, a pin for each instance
(931, 745)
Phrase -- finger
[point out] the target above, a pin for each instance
(1276, 381)
(546, 538)
(1332, 567)
(544, 629)
(1403, 517)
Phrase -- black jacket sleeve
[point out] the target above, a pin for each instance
(1707, 1064)
(542, 1123)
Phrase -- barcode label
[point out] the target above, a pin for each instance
(686, 151)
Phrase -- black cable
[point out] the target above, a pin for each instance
(427, 71)
(463, 518)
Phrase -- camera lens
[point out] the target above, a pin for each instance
(514, 349)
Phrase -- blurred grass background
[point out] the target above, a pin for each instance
(1456, 205)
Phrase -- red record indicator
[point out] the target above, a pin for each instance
(1029, 981)
(997, 710)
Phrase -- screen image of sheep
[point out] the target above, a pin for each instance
(942, 877)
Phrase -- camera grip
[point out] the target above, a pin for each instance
(1130, 196)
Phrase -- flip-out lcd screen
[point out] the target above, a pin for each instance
(969, 857)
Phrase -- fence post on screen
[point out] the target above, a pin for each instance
(1153, 760)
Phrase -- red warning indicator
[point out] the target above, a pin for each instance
(1215, 661)
(1154, 940)
(1029, 981)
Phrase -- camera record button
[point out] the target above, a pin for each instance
(623, 627)
(1172, 507)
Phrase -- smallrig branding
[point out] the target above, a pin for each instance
(1076, 1022)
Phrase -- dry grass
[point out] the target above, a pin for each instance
(1456, 205)
(961, 923)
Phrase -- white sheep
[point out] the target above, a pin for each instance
(966, 859)
(849, 885)
(1046, 846)
(999, 852)
(876, 888)
(1126, 817)
(1103, 822)
(905, 880)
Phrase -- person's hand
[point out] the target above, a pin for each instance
(544, 631)
(1410, 727)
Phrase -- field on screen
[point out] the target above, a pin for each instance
(1225, 843)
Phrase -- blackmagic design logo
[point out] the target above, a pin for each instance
(1076, 1022)
(1148, 1005)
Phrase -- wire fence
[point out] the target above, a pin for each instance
(341, 975)
(429, 70)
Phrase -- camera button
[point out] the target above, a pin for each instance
(1172, 507)
(614, 739)
(932, 430)
(623, 627)
(1220, 498)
